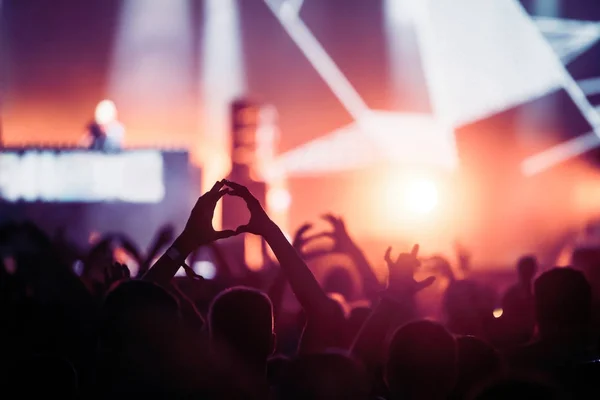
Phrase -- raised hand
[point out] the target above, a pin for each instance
(115, 272)
(441, 266)
(342, 241)
(259, 220)
(464, 257)
(300, 239)
(199, 230)
(401, 282)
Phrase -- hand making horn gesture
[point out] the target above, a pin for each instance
(401, 282)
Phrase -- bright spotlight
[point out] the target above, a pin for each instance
(498, 312)
(410, 197)
(223, 81)
(205, 269)
(278, 199)
(420, 196)
(106, 112)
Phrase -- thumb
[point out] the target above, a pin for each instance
(387, 257)
(225, 234)
(424, 283)
(243, 229)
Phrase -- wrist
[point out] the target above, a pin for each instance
(270, 230)
(184, 244)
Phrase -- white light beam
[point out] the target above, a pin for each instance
(223, 80)
(319, 59)
(559, 153)
(590, 86)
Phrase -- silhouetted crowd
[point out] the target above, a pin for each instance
(96, 332)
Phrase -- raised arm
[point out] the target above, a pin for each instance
(197, 232)
(343, 243)
(162, 239)
(304, 285)
(395, 308)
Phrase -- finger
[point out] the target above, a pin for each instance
(303, 229)
(329, 217)
(222, 193)
(189, 272)
(415, 251)
(242, 229)
(236, 186)
(225, 234)
(319, 236)
(388, 254)
(245, 195)
(298, 237)
(216, 187)
(424, 283)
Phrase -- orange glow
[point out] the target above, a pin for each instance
(420, 196)
(410, 196)
(253, 252)
(278, 200)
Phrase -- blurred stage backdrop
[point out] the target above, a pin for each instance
(423, 121)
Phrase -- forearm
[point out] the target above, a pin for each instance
(368, 345)
(152, 253)
(168, 264)
(303, 283)
(191, 315)
(371, 284)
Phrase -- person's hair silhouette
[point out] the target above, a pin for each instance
(241, 320)
(422, 361)
(563, 301)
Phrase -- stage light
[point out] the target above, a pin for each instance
(278, 200)
(408, 199)
(106, 112)
(569, 38)
(420, 196)
(498, 312)
(318, 57)
(152, 66)
(590, 86)
(205, 269)
(561, 152)
(223, 81)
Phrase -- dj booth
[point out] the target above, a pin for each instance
(130, 191)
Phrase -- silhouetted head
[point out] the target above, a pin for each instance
(138, 313)
(562, 302)
(276, 368)
(339, 280)
(527, 268)
(466, 304)
(332, 334)
(478, 361)
(241, 320)
(325, 376)
(422, 361)
(584, 258)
